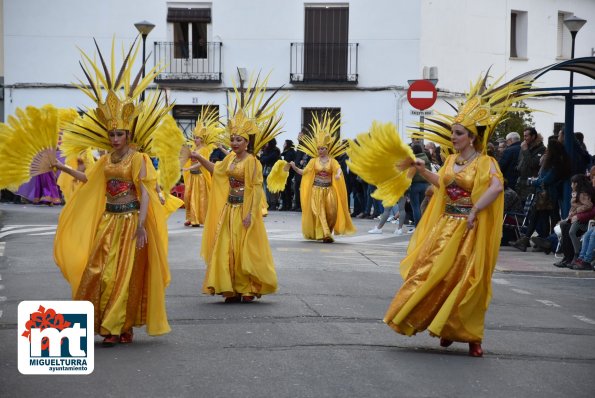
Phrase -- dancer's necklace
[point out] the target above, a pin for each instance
(461, 162)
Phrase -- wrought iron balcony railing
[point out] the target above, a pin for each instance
(324, 63)
(185, 62)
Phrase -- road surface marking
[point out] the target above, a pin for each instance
(2, 246)
(9, 228)
(520, 291)
(498, 281)
(584, 319)
(2, 298)
(43, 234)
(22, 231)
(1, 312)
(549, 303)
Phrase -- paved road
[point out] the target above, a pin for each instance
(321, 335)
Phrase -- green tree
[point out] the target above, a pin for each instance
(516, 121)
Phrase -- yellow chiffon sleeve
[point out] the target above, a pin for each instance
(344, 224)
(77, 225)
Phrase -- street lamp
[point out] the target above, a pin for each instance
(144, 28)
(574, 24)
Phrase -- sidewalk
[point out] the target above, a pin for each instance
(515, 261)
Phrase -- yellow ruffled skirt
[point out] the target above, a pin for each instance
(196, 196)
(227, 274)
(114, 279)
(438, 281)
(323, 203)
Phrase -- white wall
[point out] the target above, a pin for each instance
(256, 35)
(396, 39)
(466, 37)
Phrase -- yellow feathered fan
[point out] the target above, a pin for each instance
(380, 158)
(167, 141)
(28, 144)
(277, 178)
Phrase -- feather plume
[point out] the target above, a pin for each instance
(380, 158)
(278, 176)
(250, 99)
(485, 106)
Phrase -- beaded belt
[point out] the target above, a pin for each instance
(323, 184)
(122, 207)
(196, 171)
(234, 200)
(454, 210)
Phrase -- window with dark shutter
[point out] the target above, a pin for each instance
(326, 33)
(189, 23)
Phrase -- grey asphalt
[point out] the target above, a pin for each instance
(321, 335)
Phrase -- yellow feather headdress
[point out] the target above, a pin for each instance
(120, 108)
(482, 110)
(208, 126)
(324, 133)
(252, 115)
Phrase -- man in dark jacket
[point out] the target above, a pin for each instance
(301, 160)
(532, 149)
(269, 156)
(288, 155)
(419, 185)
(510, 159)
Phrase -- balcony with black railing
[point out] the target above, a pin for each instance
(189, 61)
(323, 63)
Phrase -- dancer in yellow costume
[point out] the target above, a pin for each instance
(111, 242)
(197, 180)
(235, 246)
(451, 256)
(322, 191)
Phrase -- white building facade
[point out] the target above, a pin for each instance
(352, 57)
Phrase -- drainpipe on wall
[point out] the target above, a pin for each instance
(399, 97)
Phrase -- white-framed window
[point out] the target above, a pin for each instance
(518, 34)
(189, 29)
(564, 39)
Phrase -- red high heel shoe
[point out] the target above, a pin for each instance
(126, 338)
(445, 342)
(475, 350)
(110, 340)
(247, 299)
(187, 223)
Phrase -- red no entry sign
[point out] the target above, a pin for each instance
(422, 94)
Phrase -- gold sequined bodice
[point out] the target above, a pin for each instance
(458, 188)
(322, 173)
(235, 172)
(118, 176)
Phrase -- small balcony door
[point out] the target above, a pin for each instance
(326, 34)
(189, 29)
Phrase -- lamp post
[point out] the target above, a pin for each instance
(574, 24)
(144, 28)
